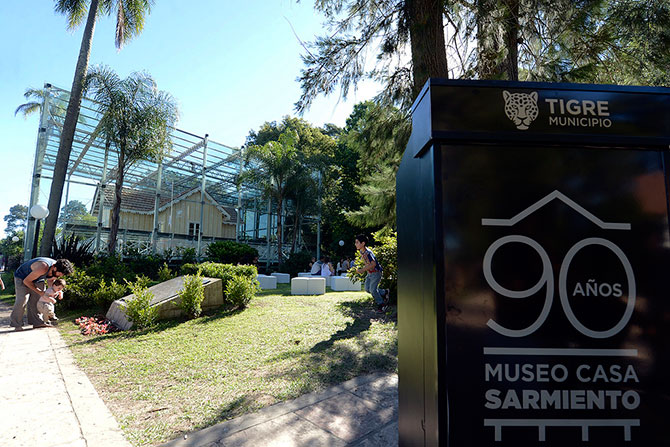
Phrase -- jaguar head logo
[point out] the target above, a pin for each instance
(521, 108)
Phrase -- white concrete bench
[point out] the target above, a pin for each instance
(308, 286)
(305, 275)
(342, 283)
(282, 278)
(267, 282)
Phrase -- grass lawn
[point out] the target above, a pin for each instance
(187, 375)
(7, 296)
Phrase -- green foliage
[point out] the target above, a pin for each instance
(12, 250)
(106, 294)
(192, 295)
(142, 264)
(73, 248)
(231, 252)
(270, 168)
(164, 273)
(74, 212)
(169, 254)
(135, 118)
(380, 137)
(355, 31)
(130, 16)
(190, 269)
(110, 267)
(187, 254)
(298, 168)
(79, 293)
(16, 219)
(138, 308)
(297, 262)
(386, 251)
(240, 289)
(225, 272)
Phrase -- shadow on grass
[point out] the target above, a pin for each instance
(239, 406)
(327, 363)
(218, 314)
(360, 312)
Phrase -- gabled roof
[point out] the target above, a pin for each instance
(545, 200)
(143, 201)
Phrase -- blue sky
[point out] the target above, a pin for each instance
(232, 65)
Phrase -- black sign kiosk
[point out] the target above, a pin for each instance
(534, 267)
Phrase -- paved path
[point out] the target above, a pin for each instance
(362, 412)
(46, 401)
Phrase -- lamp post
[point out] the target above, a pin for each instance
(38, 212)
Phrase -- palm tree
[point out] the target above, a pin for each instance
(272, 167)
(35, 97)
(136, 119)
(129, 23)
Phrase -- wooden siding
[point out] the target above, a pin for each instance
(133, 221)
(184, 212)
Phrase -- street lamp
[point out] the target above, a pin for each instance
(15, 239)
(38, 212)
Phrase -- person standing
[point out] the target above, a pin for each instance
(29, 282)
(45, 305)
(373, 269)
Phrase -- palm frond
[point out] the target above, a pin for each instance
(28, 109)
(75, 10)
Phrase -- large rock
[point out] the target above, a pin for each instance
(166, 298)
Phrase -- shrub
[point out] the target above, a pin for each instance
(240, 289)
(142, 264)
(110, 267)
(164, 273)
(73, 248)
(192, 296)
(106, 294)
(189, 269)
(79, 291)
(297, 262)
(230, 252)
(187, 254)
(225, 272)
(139, 309)
(386, 251)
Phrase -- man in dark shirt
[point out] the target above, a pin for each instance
(29, 282)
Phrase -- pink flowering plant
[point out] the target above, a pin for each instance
(95, 325)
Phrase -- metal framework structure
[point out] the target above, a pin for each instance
(194, 162)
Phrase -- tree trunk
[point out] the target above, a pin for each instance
(426, 31)
(116, 210)
(488, 48)
(280, 199)
(512, 39)
(67, 136)
(296, 228)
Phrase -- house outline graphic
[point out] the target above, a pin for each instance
(545, 200)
